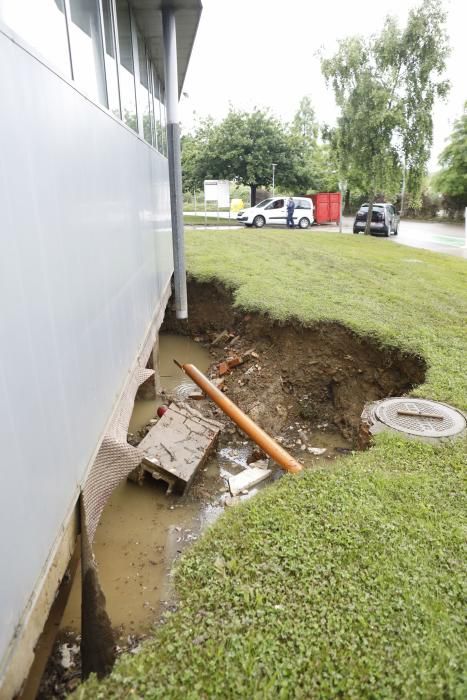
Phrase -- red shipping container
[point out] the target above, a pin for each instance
(327, 207)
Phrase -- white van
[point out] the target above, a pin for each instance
(273, 211)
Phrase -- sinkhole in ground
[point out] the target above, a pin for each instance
(306, 386)
(320, 375)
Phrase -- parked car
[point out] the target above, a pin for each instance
(384, 219)
(273, 211)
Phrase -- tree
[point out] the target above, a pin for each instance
(385, 87)
(451, 181)
(312, 163)
(242, 147)
(195, 158)
(304, 124)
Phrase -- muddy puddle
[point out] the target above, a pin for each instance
(173, 380)
(143, 530)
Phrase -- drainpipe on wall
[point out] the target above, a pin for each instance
(175, 166)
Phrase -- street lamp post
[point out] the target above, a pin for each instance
(342, 188)
(273, 172)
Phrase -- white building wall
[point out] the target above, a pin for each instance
(85, 255)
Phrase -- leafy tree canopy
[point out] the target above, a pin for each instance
(244, 146)
(241, 148)
(452, 179)
(385, 87)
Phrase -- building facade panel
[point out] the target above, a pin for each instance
(85, 255)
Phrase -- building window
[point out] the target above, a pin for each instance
(156, 86)
(96, 43)
(42, 25)
(87, 53)
(143, 90)
(126, 68)
(163, 149)
(110, 56)
(151, 102)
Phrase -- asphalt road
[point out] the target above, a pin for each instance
(439, 237)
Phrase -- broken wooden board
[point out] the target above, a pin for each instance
(247, 479)
(178, 445)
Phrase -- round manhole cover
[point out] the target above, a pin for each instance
(421, 417)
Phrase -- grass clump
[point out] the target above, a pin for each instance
(200, 220)
(346, 581)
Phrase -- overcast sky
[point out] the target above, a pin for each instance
(263, 53)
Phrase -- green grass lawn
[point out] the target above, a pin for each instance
(400, 296)
(346, 581)
(209, 221)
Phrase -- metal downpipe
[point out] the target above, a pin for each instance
(175, 166)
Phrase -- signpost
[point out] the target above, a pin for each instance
(216, 191)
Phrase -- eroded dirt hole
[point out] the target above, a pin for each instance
(304, 386)
(320, 375)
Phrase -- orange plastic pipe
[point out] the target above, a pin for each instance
(270, 446)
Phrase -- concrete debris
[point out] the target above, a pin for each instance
(234, 340)
(317, 450)
(178, 445)
(219, 382)
(247, 479)
(197, 396)
(260, 464)
(218, 339)
(67, 654)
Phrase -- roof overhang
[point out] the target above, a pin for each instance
(148, 15)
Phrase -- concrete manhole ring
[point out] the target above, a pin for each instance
(420, 417)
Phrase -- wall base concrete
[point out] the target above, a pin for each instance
(20, 655)
(19, 658)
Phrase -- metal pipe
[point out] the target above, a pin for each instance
(270, 446)
(173, 154)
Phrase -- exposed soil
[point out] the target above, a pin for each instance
(322, 374)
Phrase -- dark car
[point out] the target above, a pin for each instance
(384, 219)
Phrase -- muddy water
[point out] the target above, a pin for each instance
(173, 380)
(142, 530)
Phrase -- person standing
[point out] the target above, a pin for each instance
(290, 211)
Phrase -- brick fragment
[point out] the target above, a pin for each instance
(223, 369)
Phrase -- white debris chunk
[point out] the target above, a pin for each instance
(247, 479)
(317, 450)
(260, 463)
